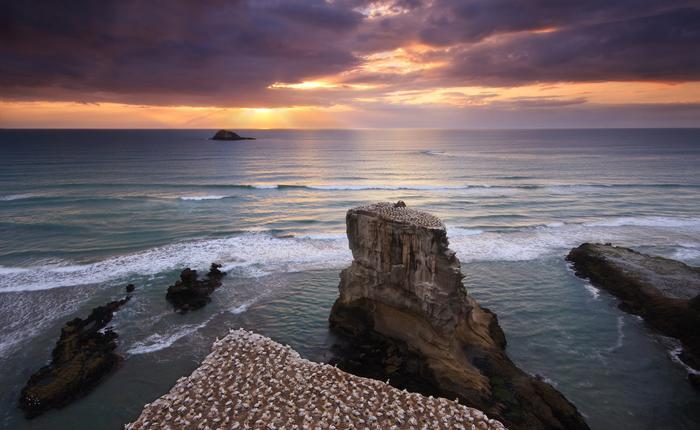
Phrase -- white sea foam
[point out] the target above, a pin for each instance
(687, 254)
(593, 290)
(11, 197)
(158, 341)
(620, 334)
(240, 309)
(434, 152)
(675, 354)
(250, 253)
(323, 236)
(198, 198)
(259, 254)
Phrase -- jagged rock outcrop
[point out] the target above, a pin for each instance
(402, 304)
(83, 355)
(666, 293)
(229, 135)
(191, 293)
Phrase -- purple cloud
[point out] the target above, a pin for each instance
(227, 53)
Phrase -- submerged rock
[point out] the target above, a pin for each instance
(83, 355)
(191, 293)
(664, 292)
(229, 135)
(404, 315)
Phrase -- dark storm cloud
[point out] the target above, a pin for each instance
(226, 53)
(662, 47)
(453, 21)
(221, 52)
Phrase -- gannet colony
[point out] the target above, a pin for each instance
(249, 381)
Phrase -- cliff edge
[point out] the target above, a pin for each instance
(402, 304)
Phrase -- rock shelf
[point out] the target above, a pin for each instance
(249, 381)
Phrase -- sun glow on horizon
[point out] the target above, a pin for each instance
(117, 115)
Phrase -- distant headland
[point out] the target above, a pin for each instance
(229, 135)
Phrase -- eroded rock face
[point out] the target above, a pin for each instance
(402, 304)
(666, 293)
(190, 292)
(83, 355)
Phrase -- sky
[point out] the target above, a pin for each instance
(349, 63)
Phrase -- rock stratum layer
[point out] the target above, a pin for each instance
(664, 292)
(402, 304)
(250, 382)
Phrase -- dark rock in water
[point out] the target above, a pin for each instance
(191, 293)
(130, 288)
(83, 355)
(694, 379)
(400, 204)
(666, 293)
(229, 135)
(404, 315)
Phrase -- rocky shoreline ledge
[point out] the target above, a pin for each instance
(83, 355)
(250, 381)
(405, 316)
(664, 292)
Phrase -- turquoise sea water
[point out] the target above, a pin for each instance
(82, 213)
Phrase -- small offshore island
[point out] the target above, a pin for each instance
(229, 135)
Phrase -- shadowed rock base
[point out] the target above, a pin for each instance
(666, 293)
(404, 315)
(83, 355)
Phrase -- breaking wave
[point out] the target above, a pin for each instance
(12, 197)
(252, 254)
(255, 254)
(198, 198)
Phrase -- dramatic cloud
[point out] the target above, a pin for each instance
(211, 52)
(275, 53)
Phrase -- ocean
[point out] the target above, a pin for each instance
(84, 212)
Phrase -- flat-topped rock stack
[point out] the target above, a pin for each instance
(251, 382)
(406, 316)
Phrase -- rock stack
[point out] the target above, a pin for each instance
(402, 304)
(190, 292)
